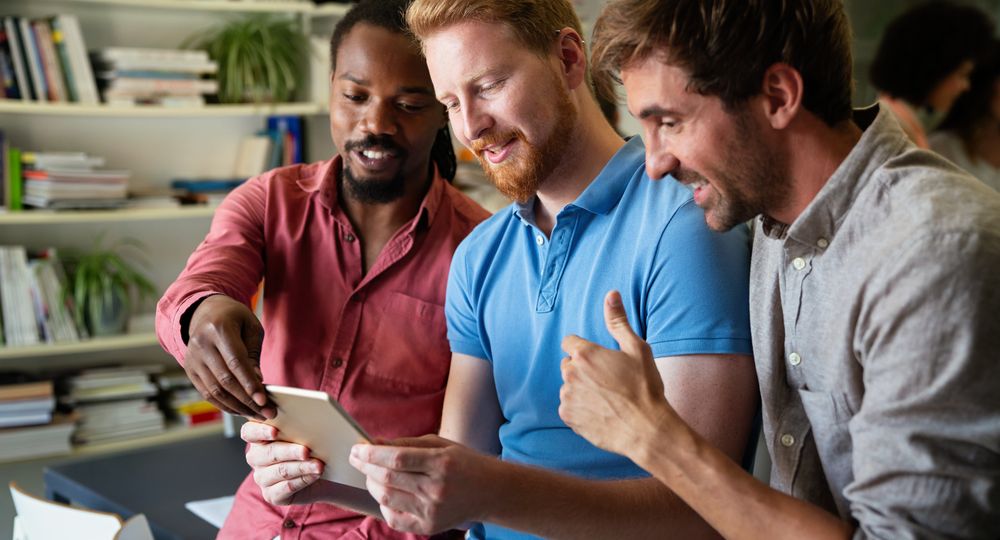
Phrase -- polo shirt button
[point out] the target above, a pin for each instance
(794, 359)
(539, 239)
(799, 263)
(338, 362)
(349, 237)
(822, 243)
(288, 524)
(787, 440)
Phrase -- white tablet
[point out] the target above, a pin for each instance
(313, 419)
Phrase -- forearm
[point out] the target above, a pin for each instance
(735, 503)
(557, 506)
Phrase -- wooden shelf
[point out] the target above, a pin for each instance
(49, 217)
(125, 342)
(234, 6)
(153, 111)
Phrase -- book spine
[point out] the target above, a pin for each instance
(17, 53)
(50, 62)
(30, 43)
(10, 88)
(62, 54)
(14, 180)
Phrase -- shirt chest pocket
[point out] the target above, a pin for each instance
(411, 345)
(829, 415)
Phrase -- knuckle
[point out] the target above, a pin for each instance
(226, 379)
(217, 392)
(233, 363)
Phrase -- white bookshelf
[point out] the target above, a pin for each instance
(236, 6)
(104, 344)
(48, 217)
(153, 111)
(174, 432)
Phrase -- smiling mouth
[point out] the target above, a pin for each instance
(376, 159)
(496, 154)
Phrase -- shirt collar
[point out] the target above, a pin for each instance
(323, 185)
(881, 139)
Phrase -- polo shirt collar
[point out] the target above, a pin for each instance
(881, 139)
(604, 192)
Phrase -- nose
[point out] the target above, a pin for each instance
(379, 119)
(475, 122)
(660, 162)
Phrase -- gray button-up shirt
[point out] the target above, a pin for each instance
(876, 332)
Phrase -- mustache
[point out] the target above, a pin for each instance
(495, 138)
(687, 176)
(383, 142)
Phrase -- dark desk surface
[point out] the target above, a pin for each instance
(156, 482)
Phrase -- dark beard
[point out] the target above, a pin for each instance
(374, 191)
(370, 190)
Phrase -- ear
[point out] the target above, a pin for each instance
(782, 92)
(572, 57)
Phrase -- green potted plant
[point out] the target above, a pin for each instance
(105, 287)
(262, 58)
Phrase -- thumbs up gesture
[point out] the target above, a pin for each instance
(614, 399)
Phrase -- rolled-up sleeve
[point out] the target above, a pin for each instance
(926, 437)
(229, 261)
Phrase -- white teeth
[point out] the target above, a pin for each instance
(371, 154)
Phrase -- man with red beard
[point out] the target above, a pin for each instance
(355, 252)
(513, 76)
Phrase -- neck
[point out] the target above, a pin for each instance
(815, 151)
(594, 143)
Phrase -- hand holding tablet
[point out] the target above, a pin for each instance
(314, 420)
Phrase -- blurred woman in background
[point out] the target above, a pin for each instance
(924, 61)
(970, 135)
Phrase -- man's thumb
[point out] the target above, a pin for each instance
(617, 322)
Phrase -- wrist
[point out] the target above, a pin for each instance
(662, 440)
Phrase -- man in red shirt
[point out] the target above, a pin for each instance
(354, 252)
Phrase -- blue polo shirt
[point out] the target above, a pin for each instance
(513, 294)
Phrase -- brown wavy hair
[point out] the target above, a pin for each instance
(727, 45)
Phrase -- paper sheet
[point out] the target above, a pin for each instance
(213, 511)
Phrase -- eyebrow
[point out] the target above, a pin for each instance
(477, 77)
(656, 110)
(424, 90)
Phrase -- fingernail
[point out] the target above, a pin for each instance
(615, 300)
(259, 398)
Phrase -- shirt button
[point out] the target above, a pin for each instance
(822, 243)
(794, 359)
(288, 524)
(349, 237)
(338, 362)
(787, 440)
(799, 263)
(539, 239)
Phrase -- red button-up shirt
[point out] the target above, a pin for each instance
(375, 342)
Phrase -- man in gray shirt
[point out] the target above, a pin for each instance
(875, 284)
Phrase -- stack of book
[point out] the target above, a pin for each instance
(169, 77)
(33, 305)
(69, 180)
(114, 403)
(27, 425)
(183, 403)
(45, 60)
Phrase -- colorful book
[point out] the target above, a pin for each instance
(62, 54)
(34, 60)
(50, 61)
(17, 54)
(14, 181)
(10, 88)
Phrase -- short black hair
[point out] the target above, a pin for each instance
(972, 108)
(391, 15)
(925, 44)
